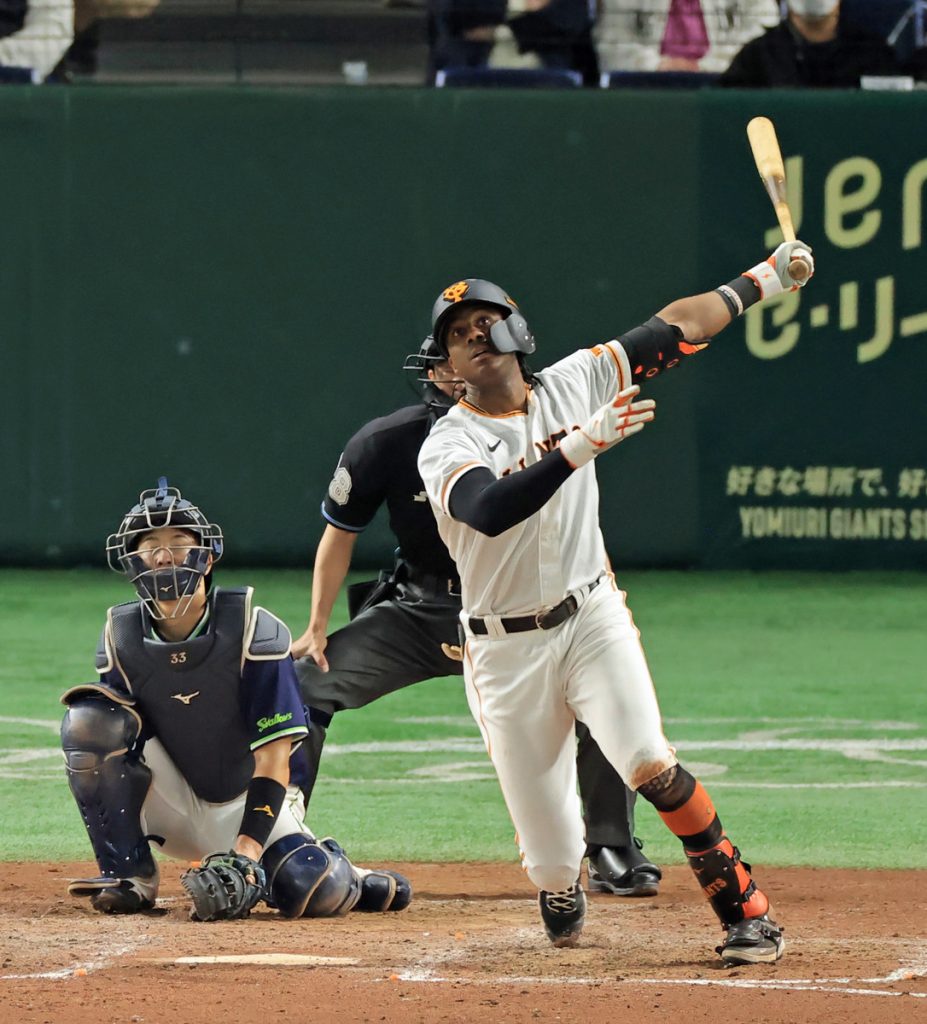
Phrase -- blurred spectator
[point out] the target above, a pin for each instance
(81, 58)
(811, 47)
(678, 35)
(461, 33)
(529, 33)
(34, 35)
(560, 33)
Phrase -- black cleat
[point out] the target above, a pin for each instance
(116, 895)
(623, 871)
(756, 940)
(563, 914)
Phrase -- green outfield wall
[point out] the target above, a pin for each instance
(221, 285)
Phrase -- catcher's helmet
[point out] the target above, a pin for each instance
(511, 334)
(160, 507)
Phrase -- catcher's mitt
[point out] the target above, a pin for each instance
(225, 887)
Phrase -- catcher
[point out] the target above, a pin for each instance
(186, 740)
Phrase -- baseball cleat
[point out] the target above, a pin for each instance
(563, 914)
(115, 895)
(756, 940)
(623, 871)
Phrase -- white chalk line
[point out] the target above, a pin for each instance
(104, 960)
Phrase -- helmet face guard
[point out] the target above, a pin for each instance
(161, 507)
(420, 363)
(510, 334)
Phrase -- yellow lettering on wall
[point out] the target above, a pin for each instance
(884, 330)
(912, 207)
(781, 310)
(839, 202)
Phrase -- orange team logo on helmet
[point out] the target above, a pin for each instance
(455, 292)
(511, 301)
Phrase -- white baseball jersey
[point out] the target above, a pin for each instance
(536, 563)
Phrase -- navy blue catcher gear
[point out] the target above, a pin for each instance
(511, 334)
(109, 782)
(161, 507)
(309, 879)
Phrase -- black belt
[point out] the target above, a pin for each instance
(542, 620)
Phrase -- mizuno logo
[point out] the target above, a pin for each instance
(185, 698)
(421, 496)
(493, 447)
(264, 810)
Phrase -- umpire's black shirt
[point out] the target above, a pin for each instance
(380, 463)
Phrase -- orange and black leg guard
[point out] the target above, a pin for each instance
(689, 813)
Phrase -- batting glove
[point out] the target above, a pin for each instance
(772, 276)
(616, 420)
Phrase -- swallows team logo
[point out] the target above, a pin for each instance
(455, 292)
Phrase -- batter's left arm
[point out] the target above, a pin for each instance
(685, 326)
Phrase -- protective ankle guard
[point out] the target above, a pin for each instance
(725, 880)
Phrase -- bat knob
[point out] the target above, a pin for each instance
(799, 271)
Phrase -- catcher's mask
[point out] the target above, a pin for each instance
(510, 334)
(420, 363)
(160, 507)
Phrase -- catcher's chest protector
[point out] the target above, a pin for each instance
(188, 694)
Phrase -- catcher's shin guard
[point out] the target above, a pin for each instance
(109, 784)
(725, 879)
(310, 879)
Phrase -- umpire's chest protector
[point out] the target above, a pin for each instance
(188, 694)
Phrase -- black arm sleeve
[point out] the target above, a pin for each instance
(493, 505)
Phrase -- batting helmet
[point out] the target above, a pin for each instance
(511, 334)
(159, 507)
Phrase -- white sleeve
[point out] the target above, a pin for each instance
(601, 372)
(443, 459)
(47, 32)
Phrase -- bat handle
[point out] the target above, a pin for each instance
(798, 268)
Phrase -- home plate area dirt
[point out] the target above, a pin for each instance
(470, 948)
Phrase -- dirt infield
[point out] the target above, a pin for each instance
(470, 948)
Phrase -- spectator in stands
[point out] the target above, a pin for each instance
(560, 33)
(678, 35)
(813, 47)
(34, 35)
(81, 58)
(461, 33)
(529, 33)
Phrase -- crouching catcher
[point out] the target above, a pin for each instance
(186, 741)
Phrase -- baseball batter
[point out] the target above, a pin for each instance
(404, 629)
(548, 635)
(187, 740)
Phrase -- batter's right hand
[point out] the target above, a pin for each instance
(616, 420)
(311, 645)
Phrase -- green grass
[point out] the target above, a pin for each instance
(799, 699)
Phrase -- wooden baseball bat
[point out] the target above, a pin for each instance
(768, 159)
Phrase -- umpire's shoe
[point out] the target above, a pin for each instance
(563, 914)
(756, 940)
(623, 870)
(117, 895)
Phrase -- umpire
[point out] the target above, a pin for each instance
(404, 626)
